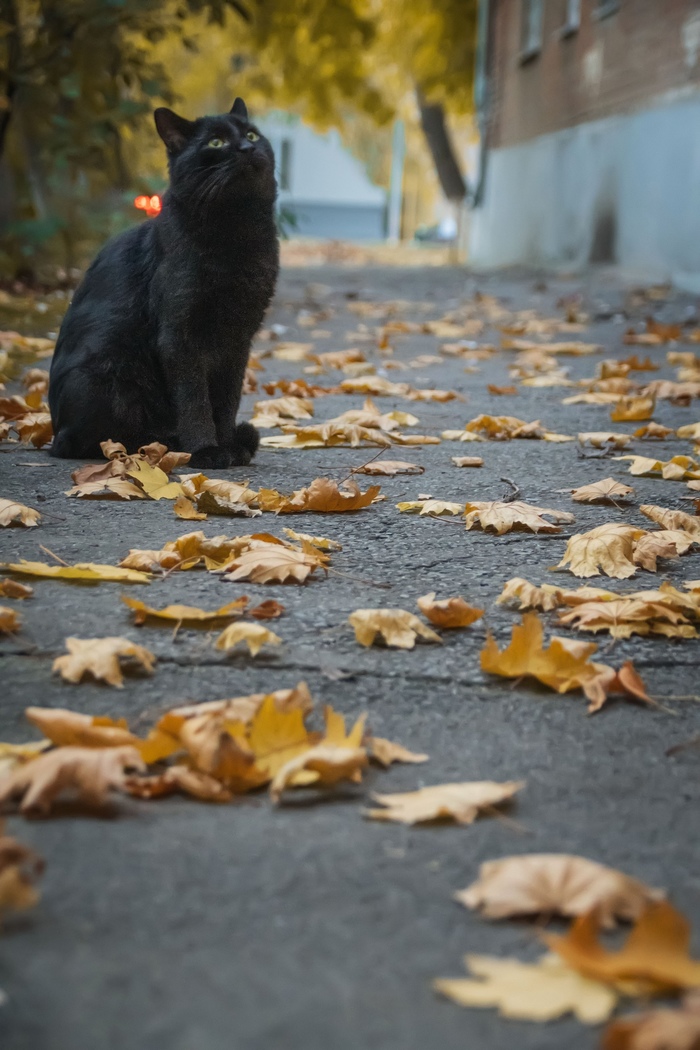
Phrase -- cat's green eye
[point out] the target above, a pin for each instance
(252, 136)
(216, 143)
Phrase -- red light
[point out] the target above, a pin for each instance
(151, 205)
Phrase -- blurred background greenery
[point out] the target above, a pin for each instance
(79, 80)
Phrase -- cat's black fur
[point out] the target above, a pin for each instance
(155, 344)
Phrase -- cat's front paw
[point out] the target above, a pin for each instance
(212, 456)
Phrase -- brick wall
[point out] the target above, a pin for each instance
(614, 64)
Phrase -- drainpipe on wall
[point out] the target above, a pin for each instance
(481, 99)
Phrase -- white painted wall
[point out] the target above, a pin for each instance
(323, 171)
(640, 172)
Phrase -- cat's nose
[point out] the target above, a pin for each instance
(245, 146)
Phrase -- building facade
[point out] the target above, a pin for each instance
(592, 136)
(324, 190)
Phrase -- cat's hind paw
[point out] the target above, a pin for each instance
(212, 456)
(245, 445)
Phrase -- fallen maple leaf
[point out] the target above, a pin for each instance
(653, 959)
(449, 612)
(459, 802)
(69, 728)
(663, 1029)
(556, 884)
(20, 867)
(602, 438)
(626, 616)
(184, 508)
(467, 461)
(502, 391)
(608, 549)
(389, 467)
(86, 572)
(99, 657)
(540, 991)
(192, 782)
(397, 627)
(327, 435)
(528, 596)
(184, 613)
(322, 496)
(12, 589)
(386, 751)
(268, 610)
(329, 763)
(633, 408)
(652, 431)
(34, 428)
(87, 773)
(276, 737)
(17, 514)
(502, 517)
(10, 620)
(272, 563)
(215, 751)
(107, 488)
(321, 542)
(251, 634)
(606, 491)
(675, 520)
(431, 507)
(678, 468)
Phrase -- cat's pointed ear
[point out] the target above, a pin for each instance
(175, 131)
(239, 109)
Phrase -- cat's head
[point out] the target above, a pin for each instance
(214, 160)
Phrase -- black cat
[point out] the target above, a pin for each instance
(155, 344)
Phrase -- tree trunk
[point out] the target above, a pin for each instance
(13, 56)
(432, 118)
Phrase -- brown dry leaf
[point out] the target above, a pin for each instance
(192, 782)
(654, 958)
(34, 428)
(603, 438)
(322, 496)
(608, 549)
(389, 467)
(459, 802)
(549, 884)
(449, 612)
(267, 610)
(273, 563)
(69, 728)
(563, 666)
(606, 491)
(298, 388)
(184, 613)
(108, 488)
(633, 408)
(663, 1029)
(667, 543)
(20, 867)
(690, 431)
(506, 428)
(467, 461)
(12, 589)
(528, 596)
(502, 391)
(293, 351)
(592, 397)
(653, 431)
(251, 634)
(85, 572)
(289, 407)
(540, 991)
(86, 773)
(386, 751)
(99, 657)
(676, 520)
(217, 752)
(10, 620)
(327, 435)
(321, 542)
(194, 485)
(678, 468)
(396, 627)
(17, 514)
(502, 517)
(328, 762)
(431, 507)
(678, 393)
(622, 617)
(184, 508)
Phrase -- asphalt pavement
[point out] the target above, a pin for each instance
(204, 927)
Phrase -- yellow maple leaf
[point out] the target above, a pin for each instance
(459, 802)
(99, 657)
(184, 613)
(540, 991)
(85, 572)
(563, 666)
(10, 620)
(322, 496)
(448, 612)
(397, 627)
(327, 763)
(273, 563)
(386, 751)
(69, 728)
(608, 548)
(254, 635)
(606, 491)
(633, 408)
(676, 520)
(89, 774)
(276, 737)
(502, 517)
(153, 480)
(12, 513)
(431, 507)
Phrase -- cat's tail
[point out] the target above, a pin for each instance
(247, 440)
